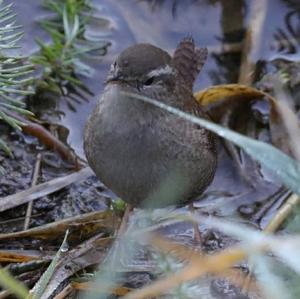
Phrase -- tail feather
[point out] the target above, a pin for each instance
(189, 60)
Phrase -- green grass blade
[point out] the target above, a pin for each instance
(285, 168)
(11, 284)
(41, 285)
(5, 148)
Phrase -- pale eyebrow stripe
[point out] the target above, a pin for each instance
(166, 70)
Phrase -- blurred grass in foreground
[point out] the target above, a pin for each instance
(254, 246)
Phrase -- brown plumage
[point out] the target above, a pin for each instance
(148, 156)
(189, 60)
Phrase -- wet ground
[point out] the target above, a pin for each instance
(213, 24)
(218, 25)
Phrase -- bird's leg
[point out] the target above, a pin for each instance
(197, 234)
(116, 252)
(123, 226)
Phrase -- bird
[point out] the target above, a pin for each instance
(147, 156)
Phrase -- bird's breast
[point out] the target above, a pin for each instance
(123, 143)
(138, 151)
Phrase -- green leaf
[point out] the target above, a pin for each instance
(62, 59)
(5, 148)
(14, 123)
(13, 73)
(17, 109)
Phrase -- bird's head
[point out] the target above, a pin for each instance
(143, 66)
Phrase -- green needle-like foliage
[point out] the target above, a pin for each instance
(14, 71)
(61, 60)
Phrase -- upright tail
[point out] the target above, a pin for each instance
(189, 60)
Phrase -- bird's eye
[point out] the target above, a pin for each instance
(149, 81)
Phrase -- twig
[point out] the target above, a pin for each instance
(252, 41)
(47, 138)
(43, 189)
(65, 292)
(101, 220)
(282, 213)
(274, 200)
(100, 288)
(18, 219)
(288, 117)
(23, 256)
(33, 183)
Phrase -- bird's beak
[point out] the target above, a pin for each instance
(113, 78)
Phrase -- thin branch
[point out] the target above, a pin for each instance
(282, 214)
(43, 189)
(33, 183)
(47, 138)
(253, 40)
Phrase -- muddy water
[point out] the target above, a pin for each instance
(214, 24)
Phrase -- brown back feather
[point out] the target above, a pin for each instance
(189, 60)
